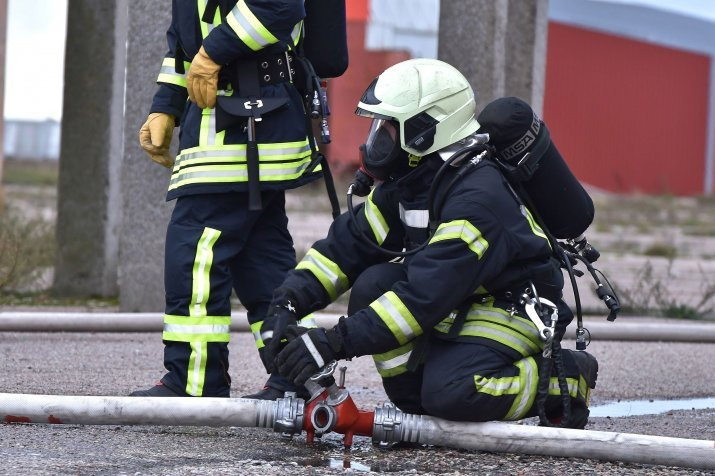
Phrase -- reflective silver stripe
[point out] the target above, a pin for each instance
(500, 336)
(240, 20)
(376, 221)
(308, 321)
(196, 378)
(527, 328)
(472, 238)
(414, 218)
(498, 386)
(201, 285)
(313, 351)
(171, 71)
(393, 362)
(397, 317)
(236, 172)
(266, 335)
(527, 376)
(331, 275)
(295, 34)
(456, 229)
(241, 152)
(211, 138)
(570, 383)
(201, 329)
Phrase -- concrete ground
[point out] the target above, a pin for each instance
(115, 364)
(633, 238)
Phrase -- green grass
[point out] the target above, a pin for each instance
(30, 172)
(46, 299)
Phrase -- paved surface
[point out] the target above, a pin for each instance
(115, 364)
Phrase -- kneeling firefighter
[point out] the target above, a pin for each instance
(447, 326)
(239, 82)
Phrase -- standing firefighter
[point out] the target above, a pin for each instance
(235, 81)
(447, 326)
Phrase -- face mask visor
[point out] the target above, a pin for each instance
(381, 150)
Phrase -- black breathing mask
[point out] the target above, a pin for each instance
(381, 155)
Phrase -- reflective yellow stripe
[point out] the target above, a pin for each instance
(377, 222)
(206, 28)
(183, 337)
(236, 153)
(207, 131)
(295, 34)
(515, 332)
(199, 329)
(257, 336)
(201, 273)
(571, 383)
(503, 335)
(326, 271)
(528, 378)
(501, 317)
(394, 362)
(283, 161)
(396, 317)
(248, 28)
(196, 375)
(168, 74)
(308, 322)
(238, 174)
(532, 223)
(462, 230)
(497, 386)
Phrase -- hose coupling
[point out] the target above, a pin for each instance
(289, 415)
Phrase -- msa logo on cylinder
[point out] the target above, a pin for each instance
(524, 141)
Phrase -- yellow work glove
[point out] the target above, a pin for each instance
(155, 137)
(202, 80)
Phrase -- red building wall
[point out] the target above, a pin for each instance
(628, 116)
(349, 131)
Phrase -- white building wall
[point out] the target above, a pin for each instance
(409, 25)
(34, 140)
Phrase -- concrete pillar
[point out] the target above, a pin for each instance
(499, 45)
(144, 183)
(89, 206)
(3, 40)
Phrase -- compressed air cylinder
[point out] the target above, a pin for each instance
(559, 198)
(326, 44)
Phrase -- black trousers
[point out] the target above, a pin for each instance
(465, 381)
(214, 245)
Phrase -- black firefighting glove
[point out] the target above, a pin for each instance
(281, 315)
(307, 351)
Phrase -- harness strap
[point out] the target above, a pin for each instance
(210, 11)
(250, 89)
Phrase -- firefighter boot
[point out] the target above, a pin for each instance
(586, 367)
(588, 370)
(275, 388)
(158, 390)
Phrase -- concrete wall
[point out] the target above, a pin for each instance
(499, 45)
(89, 210)
(144, 183)
(111, 210)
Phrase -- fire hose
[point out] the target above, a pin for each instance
(331, 409)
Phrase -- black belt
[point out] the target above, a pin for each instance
(271, 69)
